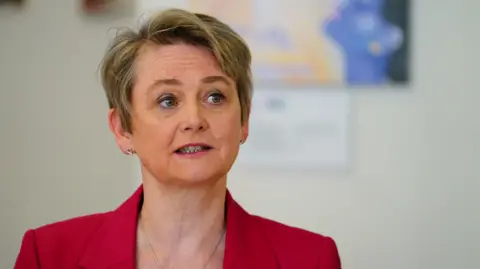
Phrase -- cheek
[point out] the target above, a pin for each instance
(152, 137)
(227, 128)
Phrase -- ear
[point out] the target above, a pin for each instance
(122, 137)
(245, 128)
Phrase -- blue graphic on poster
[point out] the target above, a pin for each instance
(366, 38)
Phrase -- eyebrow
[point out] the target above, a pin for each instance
(176, 82)
(212, 79)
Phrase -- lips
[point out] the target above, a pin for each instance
(193, 148)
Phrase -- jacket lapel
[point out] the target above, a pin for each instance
(247, 246)
(114, 244)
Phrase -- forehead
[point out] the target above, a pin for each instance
(177, 61)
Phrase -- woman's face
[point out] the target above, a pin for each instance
(186, 116)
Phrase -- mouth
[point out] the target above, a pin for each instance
(193, 149)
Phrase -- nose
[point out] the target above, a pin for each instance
(193, 119)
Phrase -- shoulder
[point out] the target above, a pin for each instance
(67, 239)
(296, 244)
(70, 230)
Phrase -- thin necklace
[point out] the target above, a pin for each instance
(157, 261)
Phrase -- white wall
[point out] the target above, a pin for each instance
(410, 200)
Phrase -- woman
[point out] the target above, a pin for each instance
(179, 90)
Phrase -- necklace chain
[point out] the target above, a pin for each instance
(157, 261)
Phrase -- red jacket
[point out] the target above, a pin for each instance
(107, 240)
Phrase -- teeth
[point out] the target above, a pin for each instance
(192, 149)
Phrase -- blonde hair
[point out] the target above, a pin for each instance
(167, 27)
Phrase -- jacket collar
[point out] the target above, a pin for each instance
(114, 243)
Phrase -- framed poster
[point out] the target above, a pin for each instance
(14, 2)
(320, 43)
(298, 130)
(116, 8)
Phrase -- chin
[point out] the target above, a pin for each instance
(202, 176)
(208, 169)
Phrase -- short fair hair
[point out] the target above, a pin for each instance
(168, 27)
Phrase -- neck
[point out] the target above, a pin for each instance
(182, 219)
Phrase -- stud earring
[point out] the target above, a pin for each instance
(129, 151)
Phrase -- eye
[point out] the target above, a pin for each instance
(215, 98)
(168, 101)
